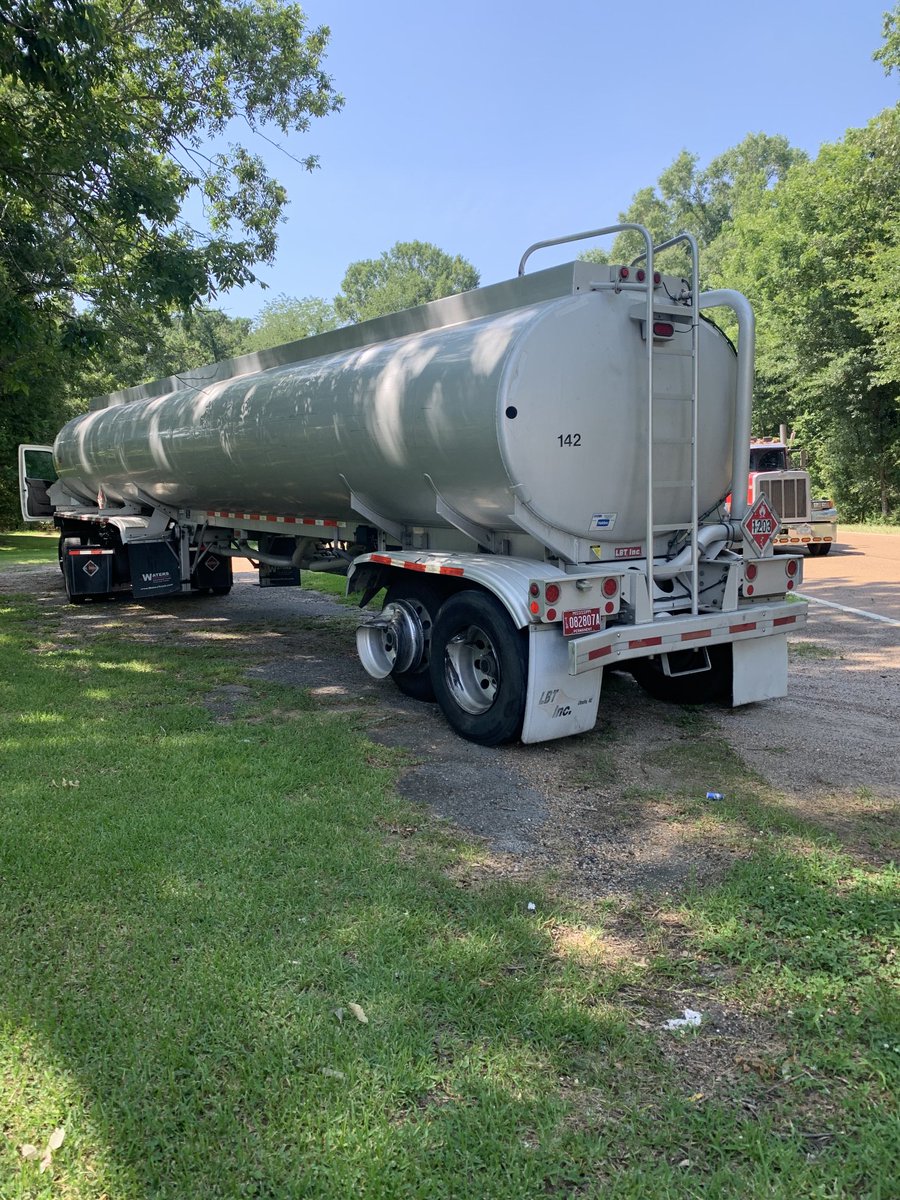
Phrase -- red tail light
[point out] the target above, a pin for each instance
(791, 566)
(551, 593)
(610, 587)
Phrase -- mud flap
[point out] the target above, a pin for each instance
(760, 669)
(155, 569)
(558, 704)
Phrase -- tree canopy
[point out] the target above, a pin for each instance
(286, 319)
(117, 118)
(409, 273)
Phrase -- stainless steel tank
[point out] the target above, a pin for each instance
(534, 390)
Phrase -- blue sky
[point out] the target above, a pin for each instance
(485, 126)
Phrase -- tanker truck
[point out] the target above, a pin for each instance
(532, 474)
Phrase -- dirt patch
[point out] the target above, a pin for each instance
(618, 811)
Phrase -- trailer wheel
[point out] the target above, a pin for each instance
(74, 598)
(425, 598)
(479, 669)
(819, 549)
(704, 687)
(65, 542)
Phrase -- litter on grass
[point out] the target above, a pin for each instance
(689, 1019)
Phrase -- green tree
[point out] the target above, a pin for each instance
(108, 109)
(409, 273)
(815, 260)
(287, 319)
(704, 202)
(889, 54)
(162, 348)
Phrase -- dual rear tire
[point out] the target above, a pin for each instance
(473, 663)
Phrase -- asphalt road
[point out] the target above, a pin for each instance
(861, 572)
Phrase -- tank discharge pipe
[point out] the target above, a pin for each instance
(337, 564)
(711, 538)
(740, 454)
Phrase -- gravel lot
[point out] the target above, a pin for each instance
(830, 748)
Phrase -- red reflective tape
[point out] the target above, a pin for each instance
(784, 620)
(699, 633)
(415, 566)
(451, 571)
(639, 642)
(745, 628)
(381, 558)
(601, 653)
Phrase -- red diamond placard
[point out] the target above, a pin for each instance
(760, 526)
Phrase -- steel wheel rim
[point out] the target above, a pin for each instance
(472, 670)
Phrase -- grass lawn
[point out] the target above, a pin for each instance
(869, 527)
(20, 548)
(193, 901)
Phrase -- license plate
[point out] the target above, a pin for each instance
(582, 620)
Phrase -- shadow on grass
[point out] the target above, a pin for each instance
(189, 910)
(187, 913)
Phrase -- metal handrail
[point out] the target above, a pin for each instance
(590, 233)
(691, 241)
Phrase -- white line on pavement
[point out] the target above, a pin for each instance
(857, 612)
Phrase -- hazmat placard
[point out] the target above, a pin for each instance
(760, 526)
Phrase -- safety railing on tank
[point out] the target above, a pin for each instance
(695, 397)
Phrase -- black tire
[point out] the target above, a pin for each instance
(426, 598)
(65, 542)
(78, 598)
(479, 662)
(704, 687)
(819, 549)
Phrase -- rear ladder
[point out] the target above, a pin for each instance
(655, 399)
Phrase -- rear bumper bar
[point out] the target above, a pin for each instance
(619, 643)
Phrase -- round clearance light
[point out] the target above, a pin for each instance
(640, 274)
(748, 590)
(610, 607)
(657, 278)
(663, 329)
(610, 587)
(534, 607)
(791, 566)
(534, 590)
(551, 614)
(551, 593)
(624, 272)
(750, 571)
(790, 585)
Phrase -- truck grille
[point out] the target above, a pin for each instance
(788, 495)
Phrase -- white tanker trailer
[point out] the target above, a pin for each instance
(534, 471)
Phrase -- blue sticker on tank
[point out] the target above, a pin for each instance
(602, 521)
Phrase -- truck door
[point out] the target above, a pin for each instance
(36, 475)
